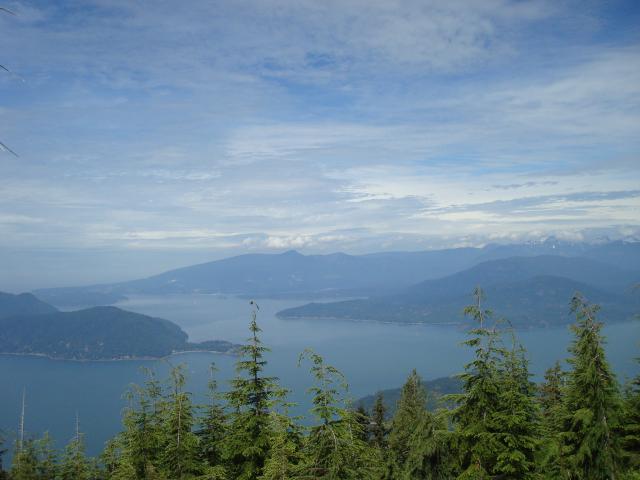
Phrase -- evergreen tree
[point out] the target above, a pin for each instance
(378, 423)
(496, 415)
(334, 448)
(551, 400)
(74, 462)
(47, 458)
(410, 412)
(516, 420)
(362, 417)
(285, 454)
(590, 443)
(143, 425)
(631, 426)
(3, 451)
(179, 444)
(212, 428)
(476, 443)
(246, 446)
(25, 461)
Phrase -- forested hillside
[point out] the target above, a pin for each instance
(579, 423)
(530, 291)
(98, 333)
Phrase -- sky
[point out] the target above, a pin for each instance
(156, 134)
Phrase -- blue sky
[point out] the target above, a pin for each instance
(156, 134)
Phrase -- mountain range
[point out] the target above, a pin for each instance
(294, 275)
(528, 291)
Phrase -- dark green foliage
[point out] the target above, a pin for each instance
(574, 426)
(97, 333)
(590, 443)
(334, 449)
(496, 414)
(417, 439)
(179, 445)
(378, 426)
(246, 446)
(212, 428)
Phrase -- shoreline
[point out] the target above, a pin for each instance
(116, 359)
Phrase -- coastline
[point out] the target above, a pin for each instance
(115, 359)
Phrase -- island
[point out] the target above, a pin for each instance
(98, 333)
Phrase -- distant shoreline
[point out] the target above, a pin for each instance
(116, 359)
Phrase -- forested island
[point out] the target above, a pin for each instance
(29, 326)
(579, 423)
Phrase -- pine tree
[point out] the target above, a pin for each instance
(285, 455)
(516, 419)
(179, 444)
(212, 428)
(3, 451)
(551, 399)
(362, 417)
(25, 461)
(74, 462)
(410, 412)
(246, 447)
(477, 445)
(334, 448)
(590, 443)
(47, 458)
(378, 423)
(143, 423)
(631, 426)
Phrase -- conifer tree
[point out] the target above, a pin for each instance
(212, 427)
(25, 461)
(631, 426)
(551, 400)
(74, 462)
(47, 458)
(3, 451)
(410, 412)
(143, 425)
(246, 447)
(179, 444)
(590, 443)
(362, 417)
(334, 449)
(378, 423)
(285, 453)
(477, 445)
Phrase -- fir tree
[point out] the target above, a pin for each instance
(246, 447)
(25, 461)
(285, 454)
(362, 417)
(334, 448)
(551, 400)
(631, 425)
(47, 458)
(3, 451)
(378, 423)
(74, 462)
(477, 445)
(179, 444)
(213, 427)
(590, 444)
(410, 412)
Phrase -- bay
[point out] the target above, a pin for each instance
(372, 356)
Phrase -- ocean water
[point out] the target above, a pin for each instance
(372, 356)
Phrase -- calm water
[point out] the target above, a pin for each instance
(373, 356)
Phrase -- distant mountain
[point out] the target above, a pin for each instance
(435, 390)
(528, 291)
(292, 274)
(25, 303)
(99, 333)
